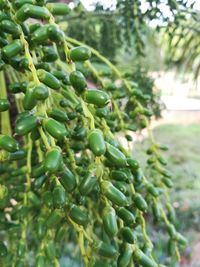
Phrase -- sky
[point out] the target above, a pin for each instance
(106, 3)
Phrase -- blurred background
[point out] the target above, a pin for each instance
(157, 44)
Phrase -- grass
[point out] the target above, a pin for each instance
(184, 161)
(183, 154)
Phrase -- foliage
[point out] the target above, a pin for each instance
(125, 25)
(182, 38)
(103, 29)
(65, 176)
(146, 85)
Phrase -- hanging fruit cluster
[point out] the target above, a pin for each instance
(65, 179)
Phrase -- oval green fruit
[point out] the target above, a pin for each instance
(50, 55)
(9, 27)
(97, 97)
(20, 3)
(40, 35)
(167, 182)
(64, 103)
(138, 175)
(52, 160)
(78, 215)
(58, 8)
(48, 79)
(122, 186)
(115, 156)
(8, 143)
(35, 135)
(110, 221)
(21, 248)
(29, 101)
(102, 112)
(154, 191)
(68, 180)
(96, 142)
(125, 256)
(40, 227)
(33, 199)
(18, 87)
(40, 92)
(171, 213)
(54, 218)
(12, 49)
(40, 261)
(39, 181)
(79, 133)
(156, 212)
(38, 170)
(87, 184)
(126, 215)
(26, 125)
(166, 173)
(181, 239)
(143, 259)
(55, 33)
(58, 115)
(128, 235)
(171, 230)
(129, 138)
(59, 196)
(105, 250)
(119, 175)
(48, 199)
(44, 66)
(171, 247)
(113, 194)
(80, 53)
(55, 129)
(51, 250)
(140, 202)
(78, 81)
(32, 11)
(19, 154)
(4, 105)
(134, 165)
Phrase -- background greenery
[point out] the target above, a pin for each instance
(184, 161)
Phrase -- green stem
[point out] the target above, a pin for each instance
(44, 138)
(88, 114)
(5, 116)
